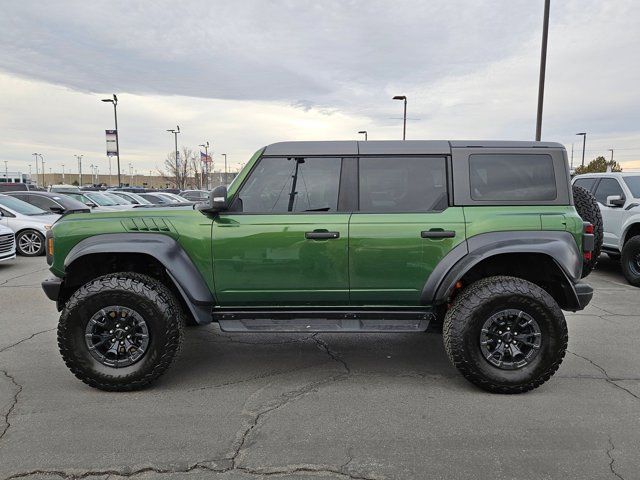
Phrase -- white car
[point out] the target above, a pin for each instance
(7, 244)
(618, 196)
(28, 222)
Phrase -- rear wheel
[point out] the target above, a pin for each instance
(630, 261)
(588, 209)
(505, 335)
(30, 243)
(120, 331)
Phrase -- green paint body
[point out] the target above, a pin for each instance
(265, 260)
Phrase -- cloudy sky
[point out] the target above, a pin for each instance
(244, 74)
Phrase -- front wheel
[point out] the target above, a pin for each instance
(120, 331)
(630, 261)
(505, 334)
(30, 243)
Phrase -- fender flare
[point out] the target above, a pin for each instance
(559, 245)
(164, 249)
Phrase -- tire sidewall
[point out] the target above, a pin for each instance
(549, 348)
(78, 317)
(629, 251)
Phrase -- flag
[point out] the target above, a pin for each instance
(204, 157)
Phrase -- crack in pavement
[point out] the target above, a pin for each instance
(14, 402)
(608, 379)
(3, 349)
(323, 345)
(23, 275)
(612, 460)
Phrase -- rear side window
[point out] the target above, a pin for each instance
(587, 183)
(607, 187)
(402, 184)
(512, 177)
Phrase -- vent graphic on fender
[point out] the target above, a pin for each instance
(148, 224)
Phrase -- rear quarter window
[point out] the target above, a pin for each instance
(512, 177)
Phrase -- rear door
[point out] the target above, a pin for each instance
(403, 227)
(285, 241)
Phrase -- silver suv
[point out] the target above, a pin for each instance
(618, 196)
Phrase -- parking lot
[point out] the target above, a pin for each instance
(326, 406)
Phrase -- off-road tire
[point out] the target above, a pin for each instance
(147, 296)
(35, 234)
(629, 261)
(587, 207)
(475, 304)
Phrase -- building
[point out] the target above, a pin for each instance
(15, 177)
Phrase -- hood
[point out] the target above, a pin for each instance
(39, 219)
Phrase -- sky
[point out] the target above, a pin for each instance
(245, 74)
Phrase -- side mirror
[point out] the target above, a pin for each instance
(217, 200)
(615, 201)
(58, 210)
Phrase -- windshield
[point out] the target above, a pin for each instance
(21, 207)
(634, 185)
(101, 199)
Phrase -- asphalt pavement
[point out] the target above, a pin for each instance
(356, 406)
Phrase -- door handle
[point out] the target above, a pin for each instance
(321, 235)
(437, 233)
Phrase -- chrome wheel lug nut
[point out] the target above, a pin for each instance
(110, 331)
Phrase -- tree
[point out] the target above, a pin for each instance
(179, 178)
(599, 165)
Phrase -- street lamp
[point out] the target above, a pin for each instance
(79, 158)
(364, 132)
(543, 68)
(63, 173)
(404, 123)
(114, 100)
(225, 168)
(611, 150)
(584, 142)
(175, 132)
(206, 160)
(36, 157)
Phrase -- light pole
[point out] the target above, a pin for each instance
(206, 160)
(225, 168)
(114, 100)
(79, 158)
(543, 67)
(44, 179)
(6, 171)
(584, 142)
(36, 157)
(175, 132)
(63, 173)
(611, 150)
(404, 122)
(365, 134)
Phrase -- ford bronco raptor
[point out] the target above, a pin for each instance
(478, 240)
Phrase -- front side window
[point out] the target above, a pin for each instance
(512, 177)
(606, 188)
(294, 184)
(402, 184)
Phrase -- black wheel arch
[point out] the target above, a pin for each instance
(550, 259)
(156, 255)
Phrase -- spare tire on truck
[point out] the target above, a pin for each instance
(587, 207)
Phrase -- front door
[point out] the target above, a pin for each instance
(403, 228)
(611, 216)
(284, 243)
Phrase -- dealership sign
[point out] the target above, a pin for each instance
(112, 142)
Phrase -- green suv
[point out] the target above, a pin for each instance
(478, 240)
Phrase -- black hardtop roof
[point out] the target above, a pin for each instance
(398, 147)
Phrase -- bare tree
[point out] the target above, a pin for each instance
(185, 161)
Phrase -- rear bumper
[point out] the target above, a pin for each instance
(584, 293)
(52, 287)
